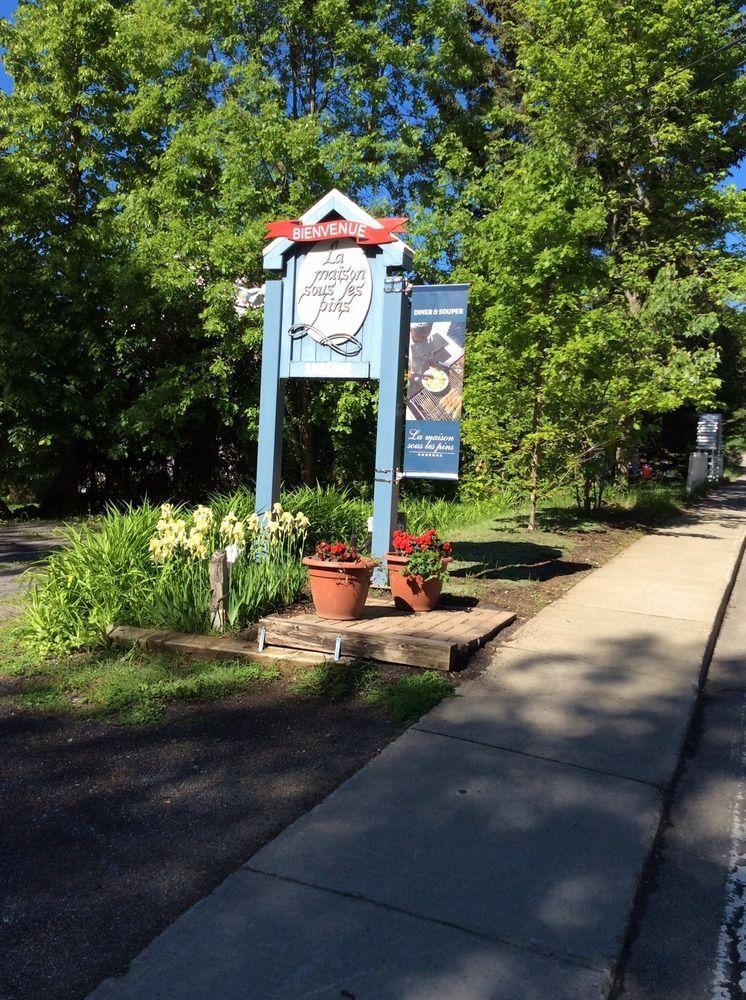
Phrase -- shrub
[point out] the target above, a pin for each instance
(100, 577)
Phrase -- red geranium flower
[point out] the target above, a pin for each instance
(336, 552)
(406, 544)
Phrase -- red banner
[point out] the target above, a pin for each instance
(364, 233)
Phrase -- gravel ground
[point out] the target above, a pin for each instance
(108, 834)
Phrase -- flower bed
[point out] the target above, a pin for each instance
(149, 567)
(265, 571)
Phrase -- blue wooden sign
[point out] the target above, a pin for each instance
(336, 309)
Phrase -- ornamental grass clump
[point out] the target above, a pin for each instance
(333, 513)
(101, 575)
(179, 595)
(267, 572)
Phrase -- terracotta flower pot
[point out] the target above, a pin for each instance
(412, 593)
(339, 589)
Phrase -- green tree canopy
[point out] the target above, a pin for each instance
(566, 158)
(598, 245)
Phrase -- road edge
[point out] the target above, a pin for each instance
(616, 984)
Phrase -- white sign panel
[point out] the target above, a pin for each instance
(333, 294)
(710, 431)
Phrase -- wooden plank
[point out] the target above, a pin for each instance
(426, 633)
(499, 621)
(379, 602)
(338, 626)
(210, 647)
(474, 639)
(436, 640)
(414, 651)
(328, 630)
(381, 625)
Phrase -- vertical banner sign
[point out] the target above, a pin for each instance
(435, 381)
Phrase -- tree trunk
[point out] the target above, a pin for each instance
(307, 457)
(587, 493)
(534, 490)
(535, 451)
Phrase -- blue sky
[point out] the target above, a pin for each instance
(8, 6)
(6, 9)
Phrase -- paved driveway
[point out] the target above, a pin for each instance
(22, 545)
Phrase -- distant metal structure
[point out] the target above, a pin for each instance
(710, 440)
(706, 463)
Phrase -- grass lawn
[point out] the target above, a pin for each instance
(137, 687)
(498, 561)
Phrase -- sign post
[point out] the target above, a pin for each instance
(271, 402)
(389, 428)
(336, 309)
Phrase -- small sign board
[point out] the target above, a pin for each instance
(333, 262)
(710, 432)
(435, 381)
(373, 233)
(333, 292)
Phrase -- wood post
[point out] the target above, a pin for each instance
(271, 405)
(218, 589)
(389, 430)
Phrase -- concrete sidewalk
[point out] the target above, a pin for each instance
(492, 852)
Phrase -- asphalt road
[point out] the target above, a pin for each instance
(108, 833)
(689, 941)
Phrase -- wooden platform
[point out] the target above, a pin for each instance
(439, 639)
